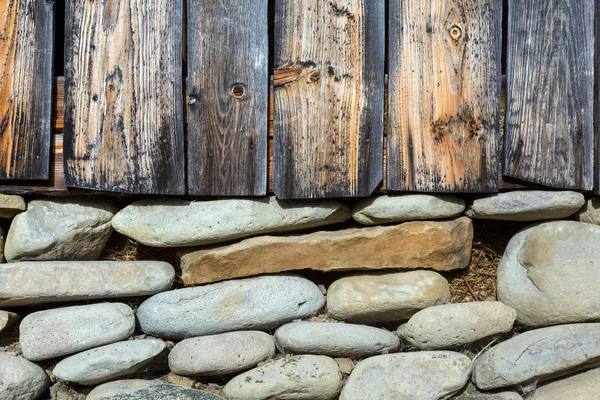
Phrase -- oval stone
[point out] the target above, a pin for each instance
(261, 302)
(335, 339)
(307, 377)
(384, 297)
(583, 386)
(222, 354)
(138, 389)
(21, 379)
(62, 331)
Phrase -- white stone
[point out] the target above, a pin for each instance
(11, 205)
(260, 303)
(335, 339)
(406, 207)
(21, 379)
(415, 376)
(69, 228)
(222, 354)
(138, 389)
(108, 362)
(454, 325)
(62, 331)
(7, 319)
(583, 386)
(385, 297)
(307, 377)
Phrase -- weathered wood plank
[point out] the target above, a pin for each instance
(124, 96)
(597, 98)
(228, 87)
(550, 74)
(444, 95)
(329, 85)
(26, 48)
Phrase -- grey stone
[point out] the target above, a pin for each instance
(335, 339)
(415, 376)
(108, 362)
(384, 297)
(21, 379)
(550, 274)
(526, 205)
(307, 377)
(62, 331)
(455, 325)
(11, 205)
(7, 319)
(138, 389)
(1, 245)
(223, 354)
(35, 282)
(590, 212)
(583, 386)
(471, 393)
(406, 207)
(261, 302)
(538, 355)
(182, 223)
(70, 228)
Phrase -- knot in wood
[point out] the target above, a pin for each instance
(238, 90)
(455, 32)
(314, 76)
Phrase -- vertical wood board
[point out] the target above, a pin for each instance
(329, 91)
(124, 96)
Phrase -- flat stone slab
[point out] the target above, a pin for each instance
(538, 355)
(307, 377)
(222, 354)
(550, 274)
(21, 379)
(181, 223)
(245, 304)
(69, 228)
(416, 376)
(7, 319)
(376, 297)
(38, 282)
(526, 205)
(583, 386)
(335, 339)
(63, 331)
(11, 205)
(439, 246)
(138, 389)
(455, 325)
(406, 207)
(108, 362)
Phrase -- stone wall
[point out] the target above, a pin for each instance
(237, 313)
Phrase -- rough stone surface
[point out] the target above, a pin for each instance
(590, 212)
(34, 282)
(11, 205)
(335, 339)
(406, 207)
(305, 377)
(538, 355)
(385, 297)
(416, 376)
(1, 245)
(62, 331)
(108, 362)
(70, 228)
(550, 274)
(471, 393)
(526, 205)
(180, 223)
(583, 386)
(7, 319)
(138, 389)
(439, 246)
(255, 303)
(455, 325)
(222, 354)
(21, 379)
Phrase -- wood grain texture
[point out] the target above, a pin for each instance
(124, 96)
(444, 95)
(329, 88)
(26, 50)
(597, 99)
(550, 78)
(228, 88)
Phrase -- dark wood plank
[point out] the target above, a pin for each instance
(26, 48)
(228, 88)
(550, 74)
(444, 95)
(329, 85)
(597, 98)
(124, 96)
